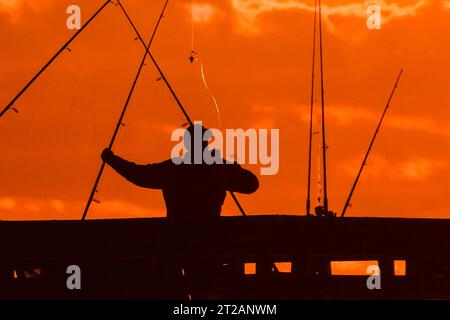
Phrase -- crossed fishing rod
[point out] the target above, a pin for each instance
(10, 105)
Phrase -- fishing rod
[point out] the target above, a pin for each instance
(64, 47)
(324, 145)
(122, 115)
(308, 200)
(347, 203)
(163, 77)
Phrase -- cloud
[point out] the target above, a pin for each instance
(347, 115)
(18, 208)
(419, 169)
(202, 12)
(8, 4)
(411, 169)
(115, 208)
(423, 124)
(16, 10)
(250, 10)
(32, 204)
(58, 205)
(13, 5)
(7, 204)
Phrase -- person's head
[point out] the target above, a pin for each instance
(194, 135)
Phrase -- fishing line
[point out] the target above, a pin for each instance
(213, 98)
(194, 57)
(193, 29)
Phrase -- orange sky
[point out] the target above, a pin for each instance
(257, 58)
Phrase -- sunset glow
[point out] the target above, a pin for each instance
(258, 62)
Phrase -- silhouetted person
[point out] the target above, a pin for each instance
(191, 192)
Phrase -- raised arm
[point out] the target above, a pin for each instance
(150, 176)
(238, 179)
